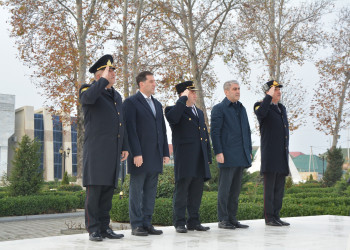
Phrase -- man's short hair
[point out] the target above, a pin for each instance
(228, 84)
(142, 77)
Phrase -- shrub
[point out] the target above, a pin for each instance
(65, 180)
(166, 183)
(289, 182)
(26, 176)
(71, 188)
(334, 166)
(38, 204)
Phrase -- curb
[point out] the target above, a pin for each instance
(41, 217)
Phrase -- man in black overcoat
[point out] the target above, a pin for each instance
(148, 151)
(192, 156)
(273, 123)
(105, 146)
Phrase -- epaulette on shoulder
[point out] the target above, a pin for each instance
(257, 105)
(84, 87)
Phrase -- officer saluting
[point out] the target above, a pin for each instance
(192, 156)
(274, 143)
(105, 145)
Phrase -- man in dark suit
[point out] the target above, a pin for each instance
(192, 157)
(148, 151)
(273, 123)
(104, 144)
(231, 138)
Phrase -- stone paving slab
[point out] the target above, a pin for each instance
(28, 227)
(311, 233)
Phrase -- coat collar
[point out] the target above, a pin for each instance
(142, 99)
(227, 102)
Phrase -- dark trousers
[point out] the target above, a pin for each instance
(142, 196)
(229, 188)
(98, 203)
(273, 195)
(187, 196)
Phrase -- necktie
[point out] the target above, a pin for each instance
(151, 104)
(194, 111)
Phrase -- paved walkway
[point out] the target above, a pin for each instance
(311, 233)
(38, 226)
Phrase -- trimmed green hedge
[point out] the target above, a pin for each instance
(44, 203)
(295, 204)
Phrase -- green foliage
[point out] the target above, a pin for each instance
(212, 184)
(26, 177)
(289, 182)
(39, 204)
(300, 200)
(166, 183)
(334, 166)
(65, 180)
(70, 188)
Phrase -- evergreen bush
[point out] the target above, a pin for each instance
(26, 176)
(334, 169)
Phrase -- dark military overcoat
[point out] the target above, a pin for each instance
(190, 139)
(274, 132)
(105, 134)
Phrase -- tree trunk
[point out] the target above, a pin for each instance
(340, 111)
(272, 52)
(136, 47)
(125, 51)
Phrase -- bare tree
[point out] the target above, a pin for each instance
(196, 27)
(279, 33)
(57, 39)
(331, 102)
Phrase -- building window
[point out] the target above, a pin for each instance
(74, 145)
(39, 135)
(57, 144)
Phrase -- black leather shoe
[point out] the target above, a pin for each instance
(226, 225)
(273, 222)
(181, 229)
(110, 234)
(283, 223)
(139, 231)
(198, 227)
(95, 236)
(239, 225)
(152, 230)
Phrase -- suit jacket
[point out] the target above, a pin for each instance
(274, 132)
(192, 152)
(147, 134)
(230, 134)
(105, 135)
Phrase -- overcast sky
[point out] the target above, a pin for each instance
(16, 81)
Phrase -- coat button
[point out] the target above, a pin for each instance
(286, 137)
(189, 119)
(120, 124)
(201, 139)
(206, 139)
(285, 126)
(203, 128)
(118, 136)
(118, 113)
(199, 128)
(115, 103)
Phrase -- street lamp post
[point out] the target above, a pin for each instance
(64, 154)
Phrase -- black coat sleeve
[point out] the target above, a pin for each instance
(173, 114)
(88, 94)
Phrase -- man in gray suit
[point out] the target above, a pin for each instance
(231, 138)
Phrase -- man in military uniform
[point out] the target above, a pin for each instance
(192, 157)
(273, 123)
(105, 145)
